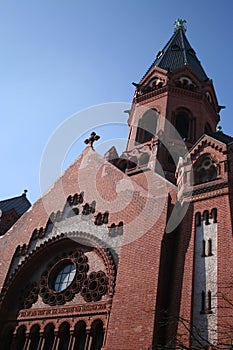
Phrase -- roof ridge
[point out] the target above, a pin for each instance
(12, 198)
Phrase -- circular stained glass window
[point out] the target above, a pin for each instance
(64, 277)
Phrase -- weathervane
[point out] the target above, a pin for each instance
(93, 137)
(180, 24)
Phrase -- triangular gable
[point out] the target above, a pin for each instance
(112, 190)
(205, 143)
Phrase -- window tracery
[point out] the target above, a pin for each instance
(29, 295)
(206, 170)
(67, 276)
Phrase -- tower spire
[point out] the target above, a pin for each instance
(177, 53)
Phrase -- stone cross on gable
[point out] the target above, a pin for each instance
(93, 137)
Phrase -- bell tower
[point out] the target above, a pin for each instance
(174, 104)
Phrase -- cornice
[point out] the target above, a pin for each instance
(208, 141)
(214, 190)
(65, 311)
(169, 88)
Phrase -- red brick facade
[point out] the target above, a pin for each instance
(133, 253)
(7, 220)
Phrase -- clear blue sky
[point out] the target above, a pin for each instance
(59, 57)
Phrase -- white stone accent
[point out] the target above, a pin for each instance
(205, 279)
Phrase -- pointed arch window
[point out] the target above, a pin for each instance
(147, 126)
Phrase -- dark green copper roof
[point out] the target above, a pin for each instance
(177, 53)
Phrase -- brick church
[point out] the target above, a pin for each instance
(132, 251)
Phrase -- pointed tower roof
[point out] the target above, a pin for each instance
(178, 52)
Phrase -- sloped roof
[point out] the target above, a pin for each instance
(177, 53)
(220, 136)
(21, 204)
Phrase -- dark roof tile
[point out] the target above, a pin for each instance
(220, 136)
(178, 53)
(21, 204)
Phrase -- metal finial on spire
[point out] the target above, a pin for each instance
(180, 24)
(93, 137)
(24, 192)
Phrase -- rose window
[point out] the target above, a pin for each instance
(65, 277)
(94, 286)
(68, 275)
